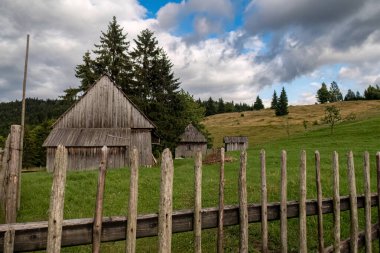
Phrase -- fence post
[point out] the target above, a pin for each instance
(336, 202)
(198, 202)
(283, 205)
(367, 203)
(378, 189)
(303, 236)
(264, 204)
(220, 248)
(353, 204)
(4, 173)
(57, 201)
(97, 226)
(132, 206)
(166, 204)
(317, 158)
(243, 206)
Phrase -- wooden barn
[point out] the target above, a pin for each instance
(232, 143)
(103, 116)
(191, 141)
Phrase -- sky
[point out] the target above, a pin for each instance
(234, 49)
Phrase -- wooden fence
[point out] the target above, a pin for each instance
(57, 233)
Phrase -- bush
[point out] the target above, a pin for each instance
(350, 117)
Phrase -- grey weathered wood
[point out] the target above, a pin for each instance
(367, 206)
(378, 188)
(57, 198)
(283, 205)
(336, 199)
(132, 206)
(9, 240)
(97, 228)
(198, 202)
(319, 200)
(302, 217)
(4, 174)
(166, 203)
(264, 203)
(190, 142)
(220, 248)
(32, 236)
(353, 203)
(243, 206)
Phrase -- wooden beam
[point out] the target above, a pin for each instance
(32, 235)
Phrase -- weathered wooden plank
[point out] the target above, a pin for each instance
(3, 174)
(243, 206)
(9, 240)
(166, 203)
(367, 205)
(97, 228)
(378, 187)
(283, 205)
(264, 204)
(132, 206)
(353, 203)
(319, 200)
(220, 248)
(198, 202)
(57, 201)
(336, 199)
(303, 234)
(32, 236)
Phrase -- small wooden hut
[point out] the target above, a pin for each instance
(191, 141)
(103, 116)
(232, 143)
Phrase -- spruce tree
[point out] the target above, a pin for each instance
(273, 104)
(350, 95)
(258, 105)
(335, 94)
(86, 72)
(323, 95)
(282, 104)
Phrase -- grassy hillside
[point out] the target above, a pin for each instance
(359, 135)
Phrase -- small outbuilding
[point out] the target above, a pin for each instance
(190, 142)
(103, 116)
(232, 143)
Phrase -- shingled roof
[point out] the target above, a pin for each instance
(192, 134)
(235, 139)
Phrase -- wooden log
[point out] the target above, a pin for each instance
(303, 234)
(57, 198)
(243, 208)
(133, 200)
(336, 200)
(378, 188)
(367, 205)
(283, 205)
(198, 202)
(353, 203)
(32, 236)
(220, 248)
(97, 228)
(4, 174)
(166, 203)
(319, 200)
(9, 240)
(264, 203)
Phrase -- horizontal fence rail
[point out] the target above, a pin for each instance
(32, 235)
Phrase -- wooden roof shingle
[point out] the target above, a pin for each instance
(192, 134)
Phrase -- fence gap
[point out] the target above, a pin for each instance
(243, 206)
(367, 203)
(317, 159)
(353, 204)
(220, 248)
(264, 203)
(198, 202)
(166, 203)
(97, 227)
(57, 199)
(336, 202)
(283, 205)
(133, 202)
(302, 203)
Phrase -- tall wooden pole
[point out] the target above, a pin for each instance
(22, 120)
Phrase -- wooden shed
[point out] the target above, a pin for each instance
(232, 143)
(191, 141)
(103, 116)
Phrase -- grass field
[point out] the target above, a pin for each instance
(359, 135)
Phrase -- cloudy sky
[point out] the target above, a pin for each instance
(235, 49)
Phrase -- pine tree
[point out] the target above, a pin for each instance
(210, 107)
(273, 104)
(221, 108)
(258, 105)
(282, 104)
(335, 94)
(350, 95)
(85, 72)
(323, 95)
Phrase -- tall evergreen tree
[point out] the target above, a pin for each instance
(335, 94)
(86, 73)
(273, 104)
(221, 107)
(350, 95)
(282, 104)
(258, 105)
(323, 95)
(210, 107)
